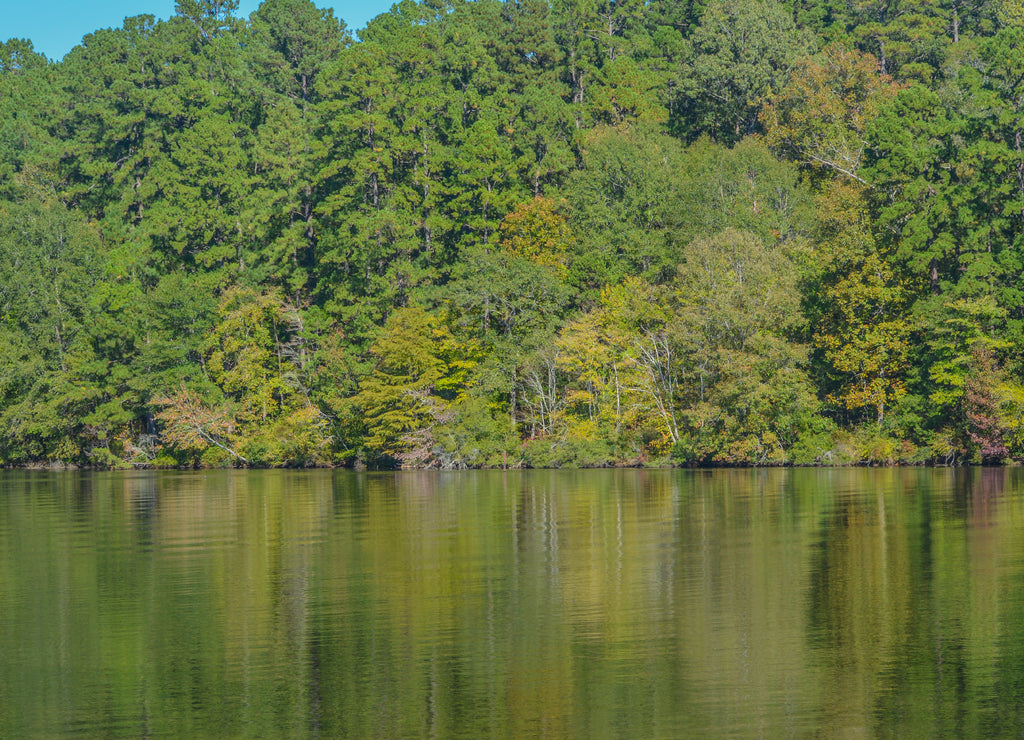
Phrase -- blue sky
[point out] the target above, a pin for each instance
(57, 25)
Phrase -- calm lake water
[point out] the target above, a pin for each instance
(554, 604)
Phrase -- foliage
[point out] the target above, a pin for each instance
(820, 118)
(742, 50)
(535, 231)
(510, 234)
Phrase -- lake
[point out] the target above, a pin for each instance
(533, 604)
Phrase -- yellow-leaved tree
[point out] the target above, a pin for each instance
(820, 117)
(536, 231)
(256, 404)
(863, 331)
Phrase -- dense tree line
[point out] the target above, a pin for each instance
(508, 233)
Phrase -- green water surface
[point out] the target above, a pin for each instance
(543, 604)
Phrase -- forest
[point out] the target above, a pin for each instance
(518, 233)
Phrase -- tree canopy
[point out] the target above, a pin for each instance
(517, 233)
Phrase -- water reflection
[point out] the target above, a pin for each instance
(527, 604)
